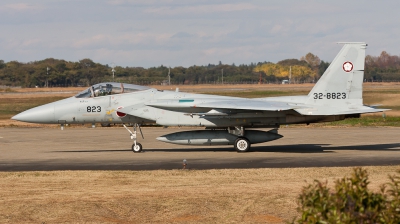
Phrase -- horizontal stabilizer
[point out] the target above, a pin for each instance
(335, 111)
(364, 111)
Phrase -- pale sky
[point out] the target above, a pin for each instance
(149, 33)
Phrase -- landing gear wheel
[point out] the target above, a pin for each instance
(137, 148)
(242, 145)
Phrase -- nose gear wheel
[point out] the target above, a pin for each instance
(137, 147)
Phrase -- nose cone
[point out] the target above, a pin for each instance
(42, 114)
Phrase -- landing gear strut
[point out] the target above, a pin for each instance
(136, 147)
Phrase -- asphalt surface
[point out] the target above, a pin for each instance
(36, 149)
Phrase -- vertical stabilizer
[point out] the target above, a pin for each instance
(341, 84)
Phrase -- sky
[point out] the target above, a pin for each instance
(138, 33)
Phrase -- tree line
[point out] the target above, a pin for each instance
(56, 72)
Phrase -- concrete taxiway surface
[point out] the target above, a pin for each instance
(27, 149)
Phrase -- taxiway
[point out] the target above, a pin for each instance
(36, 149)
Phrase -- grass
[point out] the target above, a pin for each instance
(383, 91)
(8, 90)
(12, 106)
(163, 196)
(364, 121)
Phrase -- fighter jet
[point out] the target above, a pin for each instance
(227, 120)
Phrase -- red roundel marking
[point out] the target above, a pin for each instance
(348, 66)
(120, 114)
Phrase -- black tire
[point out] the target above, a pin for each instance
(242, 145)
(105, 124)
(138, 147)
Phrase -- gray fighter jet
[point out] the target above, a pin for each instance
(227, 120)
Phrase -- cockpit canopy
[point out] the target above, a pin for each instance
(109, 88)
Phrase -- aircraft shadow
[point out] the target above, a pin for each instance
(297, 148)
(97, 150)
(315, 148)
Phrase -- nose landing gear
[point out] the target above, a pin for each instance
(136, 147)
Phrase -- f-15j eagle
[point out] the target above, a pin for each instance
(227, 120)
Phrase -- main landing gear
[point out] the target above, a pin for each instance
(242, 144)
(136, 147)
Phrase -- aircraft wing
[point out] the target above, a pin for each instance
(235, 104)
